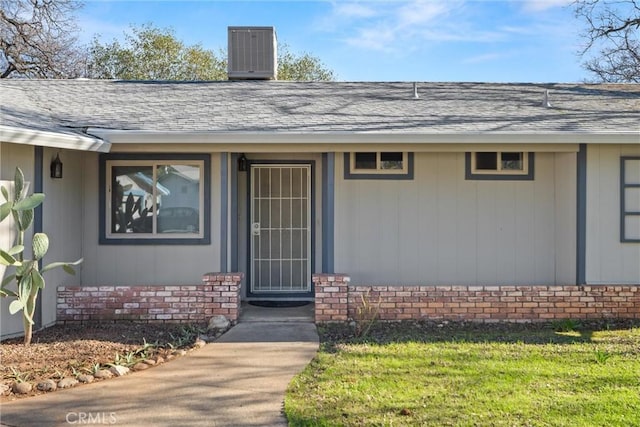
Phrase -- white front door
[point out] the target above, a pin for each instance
(280, 230)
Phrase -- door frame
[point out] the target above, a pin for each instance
(285, 295)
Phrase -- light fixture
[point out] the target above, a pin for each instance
(242, 163)
(56, 167)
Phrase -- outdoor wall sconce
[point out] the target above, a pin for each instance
(242, 163)
(56, 167)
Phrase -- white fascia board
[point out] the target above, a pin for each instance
(17, 135)
(156, 137)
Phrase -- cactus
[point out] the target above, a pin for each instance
(28, 274)
(124, 221)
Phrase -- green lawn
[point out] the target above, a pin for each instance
(518, 375)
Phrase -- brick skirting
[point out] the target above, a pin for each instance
(219, 294)
(338, 301)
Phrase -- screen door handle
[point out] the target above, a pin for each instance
(255, 229)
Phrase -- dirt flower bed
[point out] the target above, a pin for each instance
(78, 351)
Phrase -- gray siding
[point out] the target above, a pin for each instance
(608, 261)
(441, 229)
(145, 265)
(62, 221)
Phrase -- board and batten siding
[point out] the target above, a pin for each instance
(123, 265)
(62, 221)
(608, 260)
(440, 229)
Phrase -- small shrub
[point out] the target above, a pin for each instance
(367, 313)
(18, 376)
(601, 356)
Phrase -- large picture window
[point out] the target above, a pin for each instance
(154, 199)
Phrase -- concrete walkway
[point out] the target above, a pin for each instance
(239, 380)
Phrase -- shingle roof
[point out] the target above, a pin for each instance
(278, 106)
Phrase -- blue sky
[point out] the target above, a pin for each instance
(416, 40)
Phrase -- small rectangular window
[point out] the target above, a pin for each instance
(391, 161)
(630, 199)
(154, 198)
(378, 165)
(499, 165)
(512, 161)
(366, 161)
(486, 161)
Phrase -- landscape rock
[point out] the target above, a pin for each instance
(22, 388)
(179, 352)
(159, 360)
(4, 389)
(199, 343)
(67, 382)
(85, 378)
(218, 322)
(141, 366)
(206, 338)
(149, 362)
(103, 374)
(170, 356)
(47, 385)
(119, 371)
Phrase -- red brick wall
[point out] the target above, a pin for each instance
(218, 294)
(331, 297)
(475, 303)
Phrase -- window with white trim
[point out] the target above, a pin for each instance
(162, 199)
(630, 199)
(379, 165)
(499, 165)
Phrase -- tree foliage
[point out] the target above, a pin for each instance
(612, 38)
(38, 39)
(150, 53)
(301, 67)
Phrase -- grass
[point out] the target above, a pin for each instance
(425, 375)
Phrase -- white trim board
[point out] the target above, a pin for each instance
(116, 136)
(16, 135)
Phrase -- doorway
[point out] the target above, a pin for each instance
(280, 230)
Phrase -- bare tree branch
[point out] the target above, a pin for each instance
(612, 38)
(38, 39)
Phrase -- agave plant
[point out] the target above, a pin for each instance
(27, 276)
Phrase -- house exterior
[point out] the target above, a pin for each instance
(477, 201)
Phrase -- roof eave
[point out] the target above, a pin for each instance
(117, 136)
(17, 135)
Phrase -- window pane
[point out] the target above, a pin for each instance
(632, 171)
(132, 199)
(178, 191)
(487, 161)
(365, 161)
(512, 161)
(391, 160)
(632, 227)
(632, 199)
